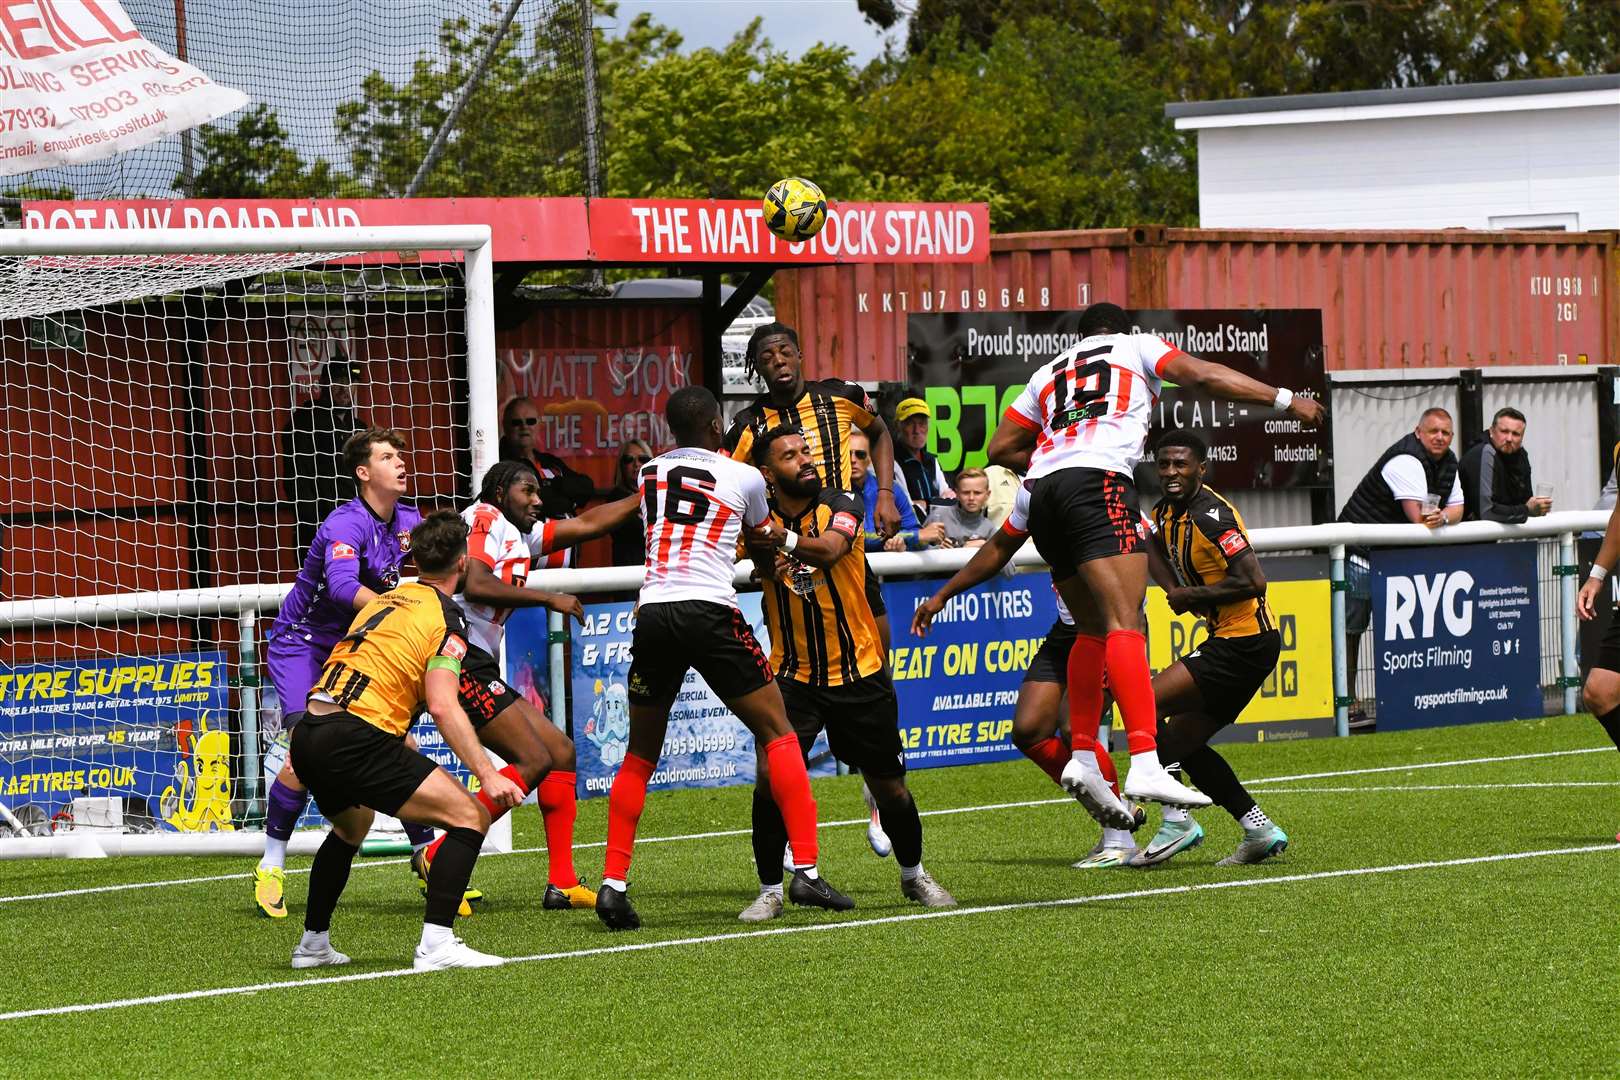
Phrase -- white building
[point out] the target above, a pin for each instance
(1535, 154)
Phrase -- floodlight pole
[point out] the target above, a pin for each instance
(442, 136)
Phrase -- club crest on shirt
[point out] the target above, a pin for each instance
(404, 538)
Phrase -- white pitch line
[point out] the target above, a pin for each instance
(722, 833)
(829, 927)
(1426, 765)
(1441, 787)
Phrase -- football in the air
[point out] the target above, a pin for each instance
(795, 209)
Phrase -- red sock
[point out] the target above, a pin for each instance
(495, 812)
(790, 787)
(1132, 683)
(1106, 764)
(626, 799)
(1050, 755)
(1086, 659)
(558, 808)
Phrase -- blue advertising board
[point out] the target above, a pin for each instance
(959, 685)
(704, 746)
(151, 731)
(1458, 635)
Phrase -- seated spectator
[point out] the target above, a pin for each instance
(563, 491)
(925, 480)
(966, 524)
(1496, 478)
(629, 539)
(912, 536)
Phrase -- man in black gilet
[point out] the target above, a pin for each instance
(1414, 481)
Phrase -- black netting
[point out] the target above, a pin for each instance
(345, 98)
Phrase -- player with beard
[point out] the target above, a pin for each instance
(829, 662)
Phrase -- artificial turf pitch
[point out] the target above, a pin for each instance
(1484, 967)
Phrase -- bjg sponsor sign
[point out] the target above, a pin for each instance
(1458, 635)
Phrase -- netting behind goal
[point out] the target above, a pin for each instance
(172, 424)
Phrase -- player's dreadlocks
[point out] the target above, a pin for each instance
(770, 329)
(501, 476)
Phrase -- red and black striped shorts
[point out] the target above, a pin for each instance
(1077, 515)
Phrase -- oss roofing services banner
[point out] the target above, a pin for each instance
(704, 745)
(959, 685)
(150, 731)
(1458, 635)
(79, 83)
(972, 365)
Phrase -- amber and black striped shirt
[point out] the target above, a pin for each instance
(822, 629)
(1200, 541)
(824, 412)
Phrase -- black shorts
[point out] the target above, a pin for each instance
(1230, 671)
(1077, 515)
(862, 721)
(346, 762)
(483, 693)
(1608, 653)
(1051, 663)
(874, 594)
(672, 637)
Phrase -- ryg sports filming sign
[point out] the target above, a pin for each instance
(1458, 635)
(971, 365)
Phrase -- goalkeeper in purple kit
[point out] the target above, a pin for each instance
(357, 554)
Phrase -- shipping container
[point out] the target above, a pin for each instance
(1400, 300)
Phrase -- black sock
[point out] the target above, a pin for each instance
(770, 837)
(1611, 723)
(452, 869)
(1216, 779)
(904, 827)
(326, 881)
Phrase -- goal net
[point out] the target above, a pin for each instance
(173, 405)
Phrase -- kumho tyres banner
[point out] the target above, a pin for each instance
(972, 365)
(704, 745)
(79, 83)
(149, 731)
(1458, 635)
(1297, 700)
(959, 685)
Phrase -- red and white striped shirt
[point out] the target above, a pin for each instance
(493, 540)
(694, 505)
(1092, 406)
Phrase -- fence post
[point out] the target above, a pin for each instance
(248, 681)
(557, 663)
(1566, 570)
(1342, 696)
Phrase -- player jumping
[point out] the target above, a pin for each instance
(506, 538)
(1079, 428)
(357, 554)
(1201, 555)
(1040, 697)
(829, 663)
(695, 503)
(405, 646)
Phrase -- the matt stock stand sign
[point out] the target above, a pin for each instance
(971, 365)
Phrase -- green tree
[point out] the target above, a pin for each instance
(252, 160)
(1053, 128)
(726, 123)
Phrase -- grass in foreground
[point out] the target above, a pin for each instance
(1502, 967)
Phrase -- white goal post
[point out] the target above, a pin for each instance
(153, 382)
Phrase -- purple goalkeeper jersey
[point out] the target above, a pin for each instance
(353, 548)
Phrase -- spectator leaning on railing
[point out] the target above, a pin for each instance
(1496, 475)
(1416, 480)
